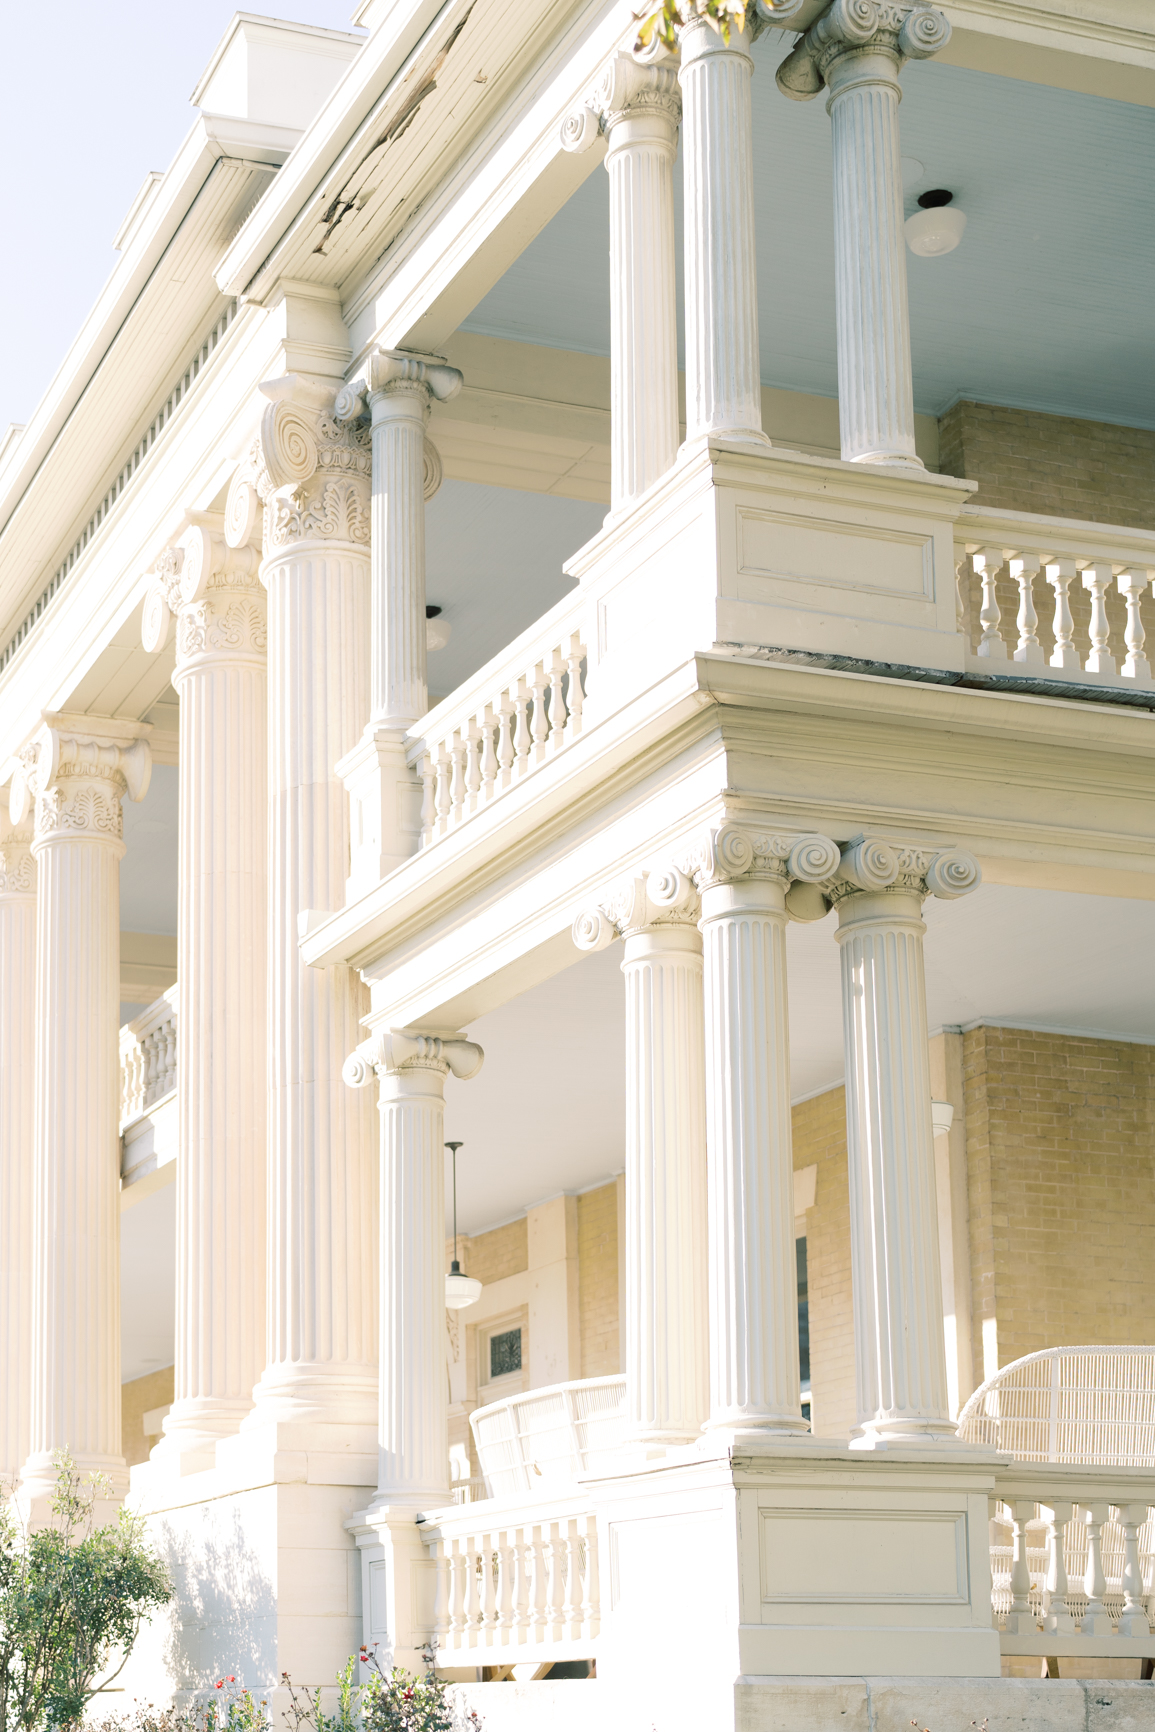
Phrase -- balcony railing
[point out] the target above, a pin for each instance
(1048, 599)
(516, 1581)
(148, 1058)
(518, 712)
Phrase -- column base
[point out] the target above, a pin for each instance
(304, 1394)
(887, 460)
(192, 1430)
(912, 1434)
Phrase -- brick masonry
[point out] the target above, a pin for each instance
(1051, 464)
(598, 1281)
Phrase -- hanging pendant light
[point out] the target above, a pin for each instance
(460, 1290)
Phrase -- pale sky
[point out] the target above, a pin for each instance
(93, 96)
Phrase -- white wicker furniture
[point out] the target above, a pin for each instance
(547, 1437)
(1062, 1580)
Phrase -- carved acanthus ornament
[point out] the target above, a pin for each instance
(213, 592)
(76, 776)
(17, 864)
(870, 865)
(853, 30)
(398, 1050)
(309, 471)
(416, 380)
(630, 88)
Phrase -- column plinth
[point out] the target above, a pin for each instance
(311, 472)
(898, 1318)
(723, 370)
(413, 1433)
(222, 1086)
(857, 50)
(17, 1113)
(77, 771)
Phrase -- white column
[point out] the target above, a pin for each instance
(221, 1078)
(857, 50)
(313, 474)
(637, 107)
(413, 1435)
(398, 391)
(17, 1086)
(78, 770)
(667, 1295)
(898, 1317)
(723, 372)
(744, 879)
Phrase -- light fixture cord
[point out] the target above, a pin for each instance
(454, 1147)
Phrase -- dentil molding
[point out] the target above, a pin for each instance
(900, 29)
(394, 1050)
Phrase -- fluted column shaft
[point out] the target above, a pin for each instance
(17, 1094)
(641, 128)
(667, 1348)
(754, 1376)
(399, 693)
(898, 1322)
(875, 389)
(723, 374)
(78, 775)
(222, 1081)
(313, 474)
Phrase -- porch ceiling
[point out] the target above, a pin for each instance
(547, 1112)
(1045, 304)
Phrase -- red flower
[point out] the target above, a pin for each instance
(220, 1683)
(232, 1680)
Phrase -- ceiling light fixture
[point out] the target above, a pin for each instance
(937, 226)
(460, 1290)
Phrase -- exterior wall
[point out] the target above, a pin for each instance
(137, 1398)
(1061, 1158)
(598, 1281)
(1052, 464)
(820, 1138)
(494, 1255)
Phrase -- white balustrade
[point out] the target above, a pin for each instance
(1073, 1560)
(148, 1058)
(517, 713)
(515, 1581)
(1095, 641)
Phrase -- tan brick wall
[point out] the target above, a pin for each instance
(492, 1256)
(1061, 1160)
(820, 1138)
(137, 1398)
(1051, 463)
(598, 1281)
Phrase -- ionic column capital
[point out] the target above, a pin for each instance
(213, 592)
(388, 375)
(871, 867)
(629, 91)
(395, 1052)
(17, 861)
(859, 41)
(733, 852)
(75, 772)
(643, 902)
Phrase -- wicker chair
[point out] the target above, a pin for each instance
(547, 1437)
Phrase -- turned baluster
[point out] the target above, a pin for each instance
(1056, 1610)
(571, 1611)
(457, 796)
(540, 719)
(1059, 575)
(540, 1609)
(555, 1545)
(521, 736)
(506, 1549)
(152, 1064)
(962, 574)
(519, 1570)
(1021, 1620)
(474, 1591)
(458, 1581)
(1025, 567)
(591, 1598)
(575, 696)
(169, 1032)
(1132, 586)
(489, 725)
(988, 564)
(488, 1585)
(556, 701)
(1095, 1619)
(1133, 1621)
(428, 798)
(472, 766)
(444, 790)
(506, 724)
(1097, 579)
(442, 1622)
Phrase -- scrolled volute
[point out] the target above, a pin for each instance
(580, 130)
(952, 874)
(393, 1051)
(868, 864)
(593, 930)
(924, 32)
(156, 620)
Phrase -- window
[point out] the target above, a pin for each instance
(803, 1325)
(505, 1353)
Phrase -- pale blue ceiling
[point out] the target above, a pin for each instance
(1047, 304)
